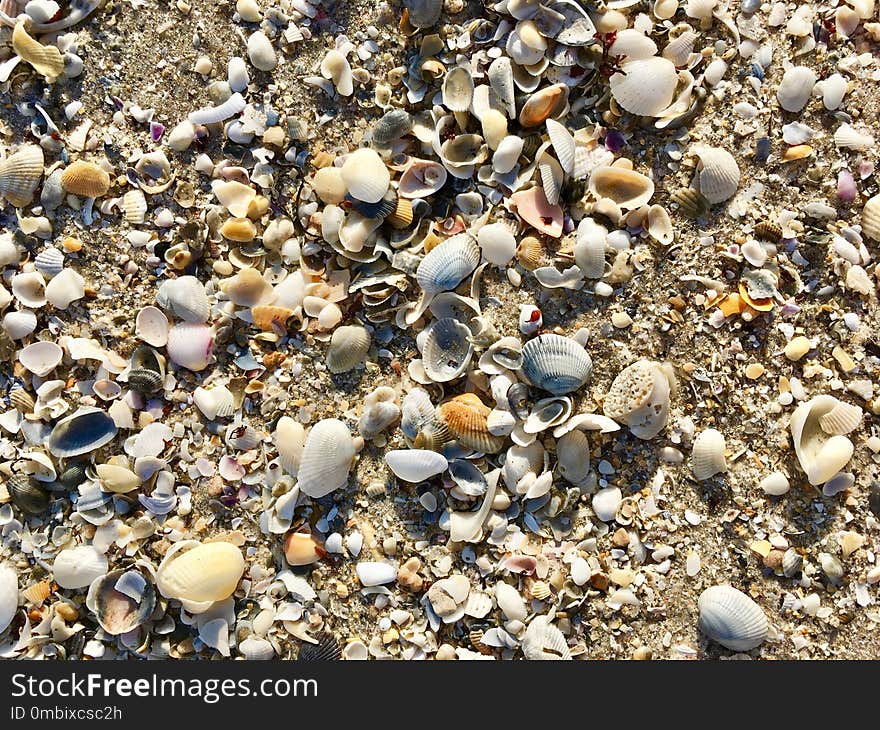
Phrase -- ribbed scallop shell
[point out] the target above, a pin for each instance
(555, 363)
(552, 177)
(841, 420)
(216, 402)
(349, 346)
(242, 436)
(679, 50)
(448, 264)
(707, 456)
(563, 144)
(447, 350)
(206, 573)
(365, 175)
(50, 261)
(416, 412)
(134, 206)
(46, 60)
(871, 218)
(326, 458)
(850, 138)
(21, 400)
(530, 253)
(589, 248)
(633, 45)
(391, 126)
(145, 381)
(820, 454)
(690, 202)
(85, 179)
(186, 298)
(78, 567)
(645, 87)
(466, 418)
(28, 494)
(628, 188)
(639, 398)
(718, 172)
(81, 433)
(731, 618)
(20, 174)
(542, 641)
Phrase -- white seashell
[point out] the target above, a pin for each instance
(511, 603)
(478, 604)
(326, 458)
(633, 45)
(421, 179)
(639, 397)
(732, 619)
(417, 411)
(796, 133)
(448, 264)
(718, 173)
(871, 218)
(8, 596)
(41, 358)
(39, 465)
(543, 641)
(589, 248)
(380, 412)
(349, 346)
(552, 177)
(19, 324)
(78, 567)
(20, 174)
(833, 90)
(563, 144)
(500, 74)
(821, 455)
(700, 9)
(446, 349)
(29, 289)
(546, 413)
(255, 648)
(260, 51)
(134, 207)
(185, 297)
(336, 67)
(573, 455)
(841, 420)
(458, 89)
(497, 243)
(200, 574)
(65, 288)
(775, 484)
(627, 188)
(555, 363)
(468, 526)
(679, 49)
(50, 261)
(605, 503)
(365, 175)
(660, 225)
(416, 465)
(646, 86)
(190, 345)
(850, 138)
(507, 154)
(151, 325)
(795, 89)
(707, 457)
(289, 439)
(375, 574)
(117, 479)
(237, 74)
(236, 197)
(500, 422)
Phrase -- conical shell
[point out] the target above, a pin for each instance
(718, 173)
(85, 179)
(185, 297)
(731, 618)
(821, 455)
(81, 433)
(365, 175)
(446, 350)
(555, 363)
(46, 60)
(20, 174)
(627, 188)
(645, 87)
(639, 398)
(466, 418)
(707, 457)
(448, 264)
(326, 458)
(203, 574)
(349, 346)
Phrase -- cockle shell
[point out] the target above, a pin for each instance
(289, 438)
(82, 432)
(30, 289)
(20, 174)
(85, 179)
(497, 243)
(50, 261)
(349, 346)
(190, 345)
(184, 297)
(718, 173)
(78, 567)
(633, 45)
(446, 349)
(326, 458)
(336, 67)
(365, 175)
(416, 412)
(8, 596)
(134, 206)
(466, 418)
(871, 218)
(46, 60)
(563, 144)
(589, 248)
(555, 363)
(729, 617)
(543, 641)
(393, 125)
(639, 398)
(796, 87)
(645, 87)
(850, 138)
(121, 601)
(216, 402)
(151, 325)
(200, 574)
(448, 264)
(628, 188)
(65, 288)
(821, 455)
(415, 465)
(841, 420)
(707, 457)
(679, 49)
(41, 358)
(28, 494)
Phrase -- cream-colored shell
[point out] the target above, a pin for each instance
(639, 397)
(200, 574)
(46, 60)
(821, 455)
(20, 174)
(646, 86)
(627, 188)
(718, 174)
(871, 218)
(707, 456)
(326, 458)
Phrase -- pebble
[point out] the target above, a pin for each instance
(797, 348)
(775, 484)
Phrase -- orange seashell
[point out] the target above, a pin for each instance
(731, 304)
(85, 179)
(301, 548)
(761, 305)
(239, 229)
(38, 592)
(543, 104)
(271, 319)
(530, 253)
(798, 152)
(466, 418)
(402, 217)
(534, 208)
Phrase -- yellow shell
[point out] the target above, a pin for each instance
(46, 60)
(247, 288)
(85, 179)
(402, 216)
(271, 319)
(466, 417)
(301, 548)
(204, 574)
(238, 229)
(530, 252)
(20, 174)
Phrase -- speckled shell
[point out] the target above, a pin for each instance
(639, 398)
(466, 418)
(707, 457)
(84, 431)
(20, 174)
(204, 574)
(326, 458)
(446, 349)
(349, 346)
(555, 363)
(448, 264)
(731, 618)
(85, 179)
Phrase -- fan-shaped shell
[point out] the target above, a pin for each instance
(82, 432)
(417, 411)
(821, 455)
(718, 174)
(627, 188)
(326, 458)
(679, 49)
(85, 179)
(365, 175)
(185, 297)
(871, 218)
(28, 494)
(46, 60)
(446, 349)
(65, 288)
(448, 264)
(841, 420)
(535, 209)
(200, 574)
(134, 207)
(707, 457)
(555, 363)
(552, 177)
(20, 174)
(50, 261)
(466, 418)
(216, 402)
(542, 641)
(795, 88)
(731, 618)
(690, 202)
(393, 125)
(645, 87)
(349, 346)
(563, 144)
(78, 567)
(507, 154)
(850, 138)
(191, 345)
(639, 398)
(633, 45)
(589, 248)
(19, 324)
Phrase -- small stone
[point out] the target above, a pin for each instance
(755, 370)
(620, 538)
(761, 547)
(600, 581)
(797, 348)
(580, 571)
(448, 594)
(642, 654)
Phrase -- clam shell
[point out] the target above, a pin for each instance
(679, 49)
(633, 45)
(289, 439)
(241, 230)
(466, 418)
(28, 494)
(45, 60)
(718, 174)
(795, 88)
(20, 174)
(707, 457)
(8, 596)
(29, 289)
(732, 619)
(117, 479)
(552, 176)
(301, 548)
(390, 127)
(145, 381)
(80, 433)
(64, 289)
(497, 243)
(660, 225)
(269, 318)
(365, 175)
(121, 601)
(646, 86)
(242, 437)
(134, 207)
(534, 208)
(500, 74)
(639, 398)
(216, 402)
(446, 350)
(349, 346)
(690, 202)
(327, 649)
(415, 465)
(184, 297)
(329, 185)
(589, 248)
(821, 455)
(50, 261)
(21, 400)
(421, 179)
(380, 412)
(871, 218)
(543, 641)
(151, 326)
(555, 363)
(416, 412)
(247, 288)
(627, 188)
(458, 89)
(544, 104)
(41, 358)
(79, 566)
(573, 455)
(448, 264)
(199, 574)
(190, 345)
(326, 458)
(85, 179)
(507, 154)
(236, 197)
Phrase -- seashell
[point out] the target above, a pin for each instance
(543, 641)
(494, 127)
(530, 252)
(336, 67)
(544, 104)
(28, 494)
(242, 437)
(871, 218)
(732, 619)
(633, 45)
(795, 88)
(329, 185)
(21, 400)
(247, 288)
(821, 455)
(421, 179)
(325, 650)
(645, 87)
(380, 412)
(552, 176)
(41, 358)
(446, 350)
(217, 402)
(65, 288)
(844, 418)
(497, 243)
(236, 197)
(660, 225)
(20, 174)
(416, 465)
(81, 433)
(349, 346)
(707, 457)
(834, 88)
(200, 574)
(184, 297)
(8, 596)
(577, 28)
(365, 175)
(448, 264)
(563, 144)
(301, 548)
(417, 411)
(78, 567)
(50, 261)
(500, 74)
(241, 230)
(775, 484)
(375, 574)
(269, 318)
(85, 179)
(29, 289)
(390, 127)
(190, 345)
(589, 248)
(134, 207)
(402, 215)
(145, 381)
(466, 418)
(850, 138)
(556, 364)
(679, 49)
(718, 174)
(507, 154)
(546, 413)
(573, 455)
(458, 89)
(121, 601)
(289, 438)
(534, 208)
(117, 479)
(627, 188)
(639, 398)
(326, 458)
(463, 151)
(45, 60)
(690, 202)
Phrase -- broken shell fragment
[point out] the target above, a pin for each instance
(121, 601)
(81, 433)
(821, 454)
(627, 188)
(639, 397)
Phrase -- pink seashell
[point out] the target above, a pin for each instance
(846, 186)
(230, 469)
(534, 208)
(190, 345)
(521, 564)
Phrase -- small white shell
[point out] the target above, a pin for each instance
(326, 458)
(573, 454)
(497, 243)
(821, 455)
(151, 325)
(871, 218)
(795, 89)
(563, 144)
(707, 457)
(190, 345)
(29, 289)
(633, 45)
(421, 179)
(365, 175)
(41, 358)
(349, 346)
(543, 641)
(289, 438)
(65, 288)
(850, 138)
(646, 86)
(660, 225)
(375, 574)
(589, 248)
(8, 596)
(718, 173)
(336, 67)
(446, 349)
(507, 154)
(679, 49)
(731, 618)
(79, 566)
(458, 89)
(416, 465)
(775, 484)
(134, 207)
(216, 402)
(186, 298)
(19, 324)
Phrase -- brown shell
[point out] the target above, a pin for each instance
(690, 202)
(530, 253)
(85, 179)
(402, 216)
(239, 229)
(466, 417)
(271, 319)
(543, 104)
(768, 231)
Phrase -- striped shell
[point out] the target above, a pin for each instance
(589, 248)
(555, 363)
(448, 264)
(639, 398)
(795, 88)
(326, 458)
(200, 574)
(707, 456)
(543, 641)
(84, 431)
(185, 297)
(46, 60)
(28, 494)
(732, 619)
(349, 346)
(50, 261)
(563, 145)
(679, 50)
(466, 418)
(134, 206)
(20, 174)
(85, 179)
(21, 400)
(691, 202)
(645, 87)
(216, 402)
(289, 438)
(365, 175)
(446, 349)
(871, 218)
(718, 174)
(415, 465)
(841, 420)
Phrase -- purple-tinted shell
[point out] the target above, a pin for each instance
(846, 186)
(614, 141)
(157, 129)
